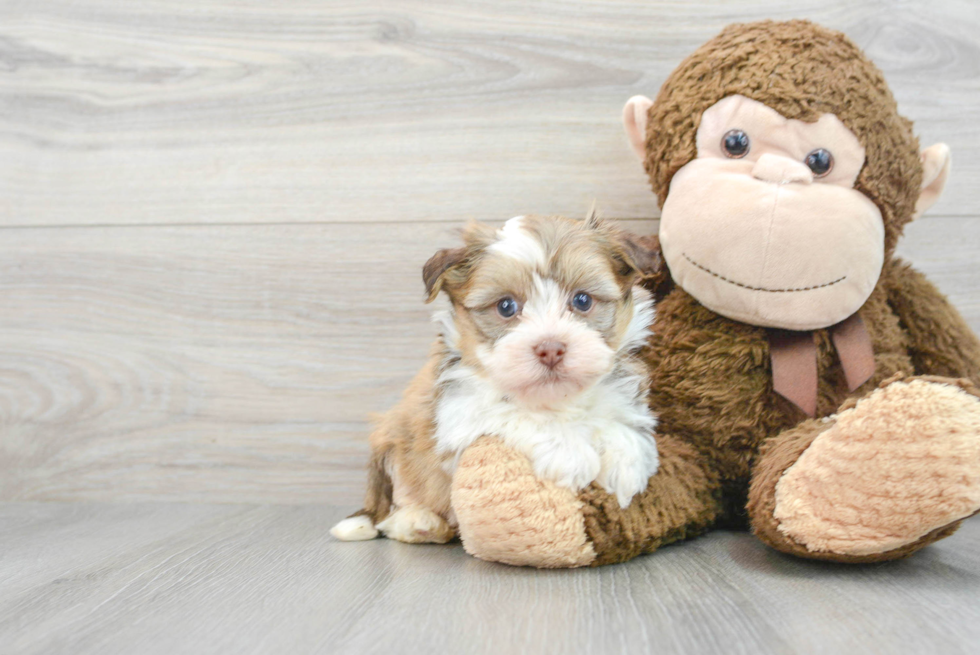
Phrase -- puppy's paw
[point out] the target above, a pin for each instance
(570, 463)
(355, 528)
(627, 465)
(416, 525)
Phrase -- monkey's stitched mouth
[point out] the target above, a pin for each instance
(751, 288)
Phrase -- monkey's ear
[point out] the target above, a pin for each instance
(434, 271)
(936, 163)
(635, 123)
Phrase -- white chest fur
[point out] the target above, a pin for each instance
(606, 435)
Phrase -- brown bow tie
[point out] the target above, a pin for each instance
(794, 361)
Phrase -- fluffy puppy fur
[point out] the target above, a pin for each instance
(538, 349)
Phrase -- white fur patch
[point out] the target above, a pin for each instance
(548, 300)
(517, 243)
(356, 528)
(605, 433)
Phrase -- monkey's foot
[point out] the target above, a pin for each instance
(892, 472)
(506, 514)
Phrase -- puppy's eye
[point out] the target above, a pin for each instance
(582, 301)
(735, 143)
(507, 307)
(819, 161)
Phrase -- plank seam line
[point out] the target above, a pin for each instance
(450, 223)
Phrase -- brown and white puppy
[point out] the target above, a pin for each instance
(538, 349)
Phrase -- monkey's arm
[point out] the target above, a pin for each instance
(941, 341)
(507, 514)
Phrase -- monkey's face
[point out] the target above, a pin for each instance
(765, 226)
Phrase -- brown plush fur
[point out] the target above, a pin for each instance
(681, 501)
(725, 437)
(939, 340)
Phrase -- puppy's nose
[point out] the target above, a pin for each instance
(550, 352)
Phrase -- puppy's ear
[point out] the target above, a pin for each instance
(637, 255)
(593, 221)
(434, 271)
(644, 254)
(647, 258)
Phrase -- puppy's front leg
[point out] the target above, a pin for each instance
(415, 524)
(569, 462)
(629, 459)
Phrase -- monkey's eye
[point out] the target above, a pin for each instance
(819, 161)
(582, 302)
(507, 307)
(735, 143)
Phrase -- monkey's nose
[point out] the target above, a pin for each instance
(550, 352)
(781, 170)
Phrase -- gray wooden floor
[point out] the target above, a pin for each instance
(213, 217)
(196, 578)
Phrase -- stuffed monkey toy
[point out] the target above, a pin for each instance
(809, 384)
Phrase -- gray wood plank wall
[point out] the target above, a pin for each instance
(213, 215)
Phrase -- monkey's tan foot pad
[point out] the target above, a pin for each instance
(901, 463)
(507, 514)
